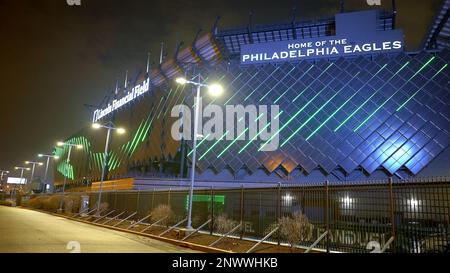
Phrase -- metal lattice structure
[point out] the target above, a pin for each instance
(338, 116)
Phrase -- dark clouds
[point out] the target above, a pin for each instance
(54, 58)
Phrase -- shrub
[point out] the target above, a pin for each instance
(223, 224)
(160, 212)
(104, 206)
(71, 203)
(52, 203)
(8, 203)
(35, 203)
(295, 228)
(68, 205)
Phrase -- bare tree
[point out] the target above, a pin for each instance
(294, 229)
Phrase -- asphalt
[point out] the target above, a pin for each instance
(27, 231)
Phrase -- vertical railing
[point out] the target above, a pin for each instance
(327, 216)
(392, 210)
(212, 212)
(278, 215)
(242, 212)
(414, 214)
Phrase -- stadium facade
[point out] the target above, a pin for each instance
(353, 105)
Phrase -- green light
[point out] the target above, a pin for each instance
(259, 117)
(135, 137)
(205, 199)
(417, 92)
(365, 102)
(386, 101)
(240, 89)
(290, 87)
(214, 145)
(264, 81)
(201, 142)
(231, 144)
(301, 93)
(343, 105)
(285, 76)
(292, 118)
(160, 111)
(318, 111)
(254, 138)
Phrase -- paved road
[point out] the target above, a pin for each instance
(26, 231)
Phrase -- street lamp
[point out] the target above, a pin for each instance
(2, 174)
(1, 177)
(32, 171)
(46, 167)
(214, 90)
(70, 145)
(109, 127)
(22, 169)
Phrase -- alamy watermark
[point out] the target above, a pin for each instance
(374, 2)
(73, 2)
(234, 123)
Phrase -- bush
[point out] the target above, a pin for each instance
(71, 203)
(35, 203)
(160, 212)
(294, 229)
(7, 203)
(52, 203)
(104, 206)
(223, 224)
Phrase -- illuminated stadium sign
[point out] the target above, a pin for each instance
(356, 34)
(137, 91)
(17, 181)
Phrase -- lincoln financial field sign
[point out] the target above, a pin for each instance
(356, 34)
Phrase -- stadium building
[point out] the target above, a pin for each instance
(353, 105)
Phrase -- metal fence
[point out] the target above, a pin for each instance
(363, 216)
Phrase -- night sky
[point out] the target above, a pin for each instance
(55, 58)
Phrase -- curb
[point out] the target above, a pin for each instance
(159, 238)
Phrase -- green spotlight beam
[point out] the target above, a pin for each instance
(417, 92)
(318, 111)
(343, 105)
(369, 99)
(395, 93)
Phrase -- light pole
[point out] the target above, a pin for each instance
(70, 145)
(109, 127)
(214, 90)
(1, 177)
(32, 171)
(22, 169)
(46, 167)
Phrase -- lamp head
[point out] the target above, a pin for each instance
(27, 162)
(60, 143)
(215, 89)
(56, 157)
(96, 125)
(40, 155)
(79, 146)
(121, 131)
(181, 80)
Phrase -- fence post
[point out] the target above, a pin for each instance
(115, 199)
(391, 209)
(327, 216)
(279, 210)
(212, 211)
(153, 198)
(242, 211)
(137, 202)
(168, 197)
